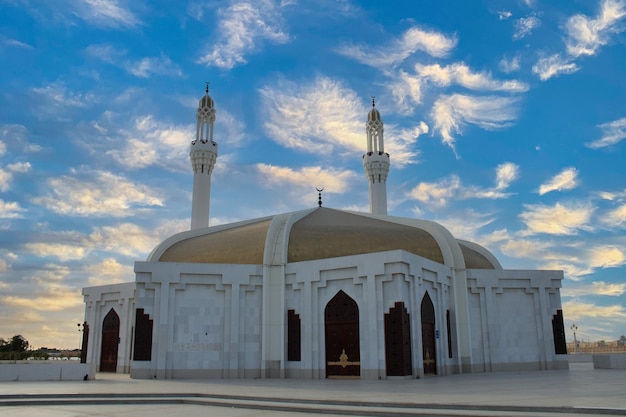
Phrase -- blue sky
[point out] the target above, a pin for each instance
(505, 121)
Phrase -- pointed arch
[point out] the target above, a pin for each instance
(429, 347)
(341, 325)
(110, 342)
(398, 341)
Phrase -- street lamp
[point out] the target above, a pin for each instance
(574, 328)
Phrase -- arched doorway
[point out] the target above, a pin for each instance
(341, 323)
(398, 341)
(429, 349)
(110, 342)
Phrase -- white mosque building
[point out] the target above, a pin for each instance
(321, 293)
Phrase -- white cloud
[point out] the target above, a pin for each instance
(106, 13)
(509, 65)
(241, 28)
(606, 257)
(325, 116)
(586, 35)
(97, 193)
(150, 142)
(594, 288)
(56, 95)
(616, 217)
(460, 74)
(162, 65)
(451, 113)
(141, 68)
(406, 91)
(504, 14)
(5, 180)
(525, 26)
(62, 251)
(109, 271)
(16, 43)
(575, 310)
(612, 133)
(436, 193)
(9, 209)
(551, 66)
(564, 180)
(560, 219)
(332, 180)
(395, 52)
(19, 167)
(506, 173)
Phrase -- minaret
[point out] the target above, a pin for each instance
(376, 162)
(203, 153)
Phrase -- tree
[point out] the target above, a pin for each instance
(16, 344)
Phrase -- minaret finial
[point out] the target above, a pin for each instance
(319, 196)
(373, 101)
(207, 86)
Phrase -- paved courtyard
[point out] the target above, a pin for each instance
(581, 390)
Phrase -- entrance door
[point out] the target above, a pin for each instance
(341, 322)
(398, 341)
(429, 352)
(110, 342)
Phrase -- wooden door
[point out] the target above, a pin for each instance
(341, 322)
(398, 341)
(429, 347)
(110, 342)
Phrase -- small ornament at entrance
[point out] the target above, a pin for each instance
(428, 360)
(343, 360)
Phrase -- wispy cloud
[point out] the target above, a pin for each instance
(16, 43)
(551, 66)
(97, 193)
(332, 180)
(140, 68)
(451, 113)
(564, 180)
(325, 116)
(594, 288)
(525, 25)
(560, 219)
(576, 310)
(9, 209)
(397, 50)
(56, 95)
(586, 35)
(242, 28)
(108, 271)
(509, 65)
(439, 193)
(462, 75)
(616, 217)
(504, 14)
(106, 13)
(612, 133)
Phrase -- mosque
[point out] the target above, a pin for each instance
(321, 293)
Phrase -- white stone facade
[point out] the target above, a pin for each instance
(99, 301)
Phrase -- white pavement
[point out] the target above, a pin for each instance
(581, 390)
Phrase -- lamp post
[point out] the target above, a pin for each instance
(574, 328)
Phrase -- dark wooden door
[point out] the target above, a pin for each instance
(110, 342)
(341, 322)
(429, 348)
(398, 341)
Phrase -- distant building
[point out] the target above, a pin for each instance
(321, 293)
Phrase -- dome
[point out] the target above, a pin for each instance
(206, 101)
(319, 233)
(373, 115)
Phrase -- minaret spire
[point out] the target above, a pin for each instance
(203, 154)
(376, 161)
